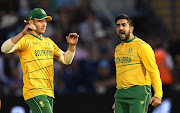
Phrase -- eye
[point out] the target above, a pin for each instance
(124, 24)
(117, 25)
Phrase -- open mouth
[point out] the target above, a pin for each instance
(122, 33)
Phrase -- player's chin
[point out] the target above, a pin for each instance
(43, 31)
(122, 37)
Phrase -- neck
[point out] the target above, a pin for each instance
(36, 34)
(130, 37)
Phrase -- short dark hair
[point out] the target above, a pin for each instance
(124, 16)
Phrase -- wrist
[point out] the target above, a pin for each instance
(72, 47)
(72, 44)
(158, 97)
(22, 33)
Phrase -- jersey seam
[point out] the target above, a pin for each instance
(138, 49)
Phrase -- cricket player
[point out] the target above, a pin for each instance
(136, 69)
(36, 54)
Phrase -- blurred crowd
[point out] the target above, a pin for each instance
(93, 68)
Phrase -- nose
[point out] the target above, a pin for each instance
(120, 27)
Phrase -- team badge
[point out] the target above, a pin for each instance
(35, 42)
(47, 44)
(130, 50)
(142, 102)
(117, 50)
(42, 11)
(41, 103)
(30, 17)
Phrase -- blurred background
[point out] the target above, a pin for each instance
(88, 84)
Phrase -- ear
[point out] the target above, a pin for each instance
(30, 21)
(131, 29)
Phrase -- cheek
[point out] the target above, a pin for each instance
(127, 30)
(117, 30)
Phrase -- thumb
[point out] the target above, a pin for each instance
(151, 100)
(113, 106)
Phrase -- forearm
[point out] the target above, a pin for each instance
(16, 38)
(67, 57)
(9, 45)
(72, 48)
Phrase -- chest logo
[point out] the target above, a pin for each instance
(35, 42)
(117, 50)
(130, 50)
(47, 44)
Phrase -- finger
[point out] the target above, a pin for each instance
(113, 106)
(153, 104)
(70, 34)
(32, 27)
(151, 101)
(67, 37)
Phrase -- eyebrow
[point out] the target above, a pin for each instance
(121, 24)
(124, 23)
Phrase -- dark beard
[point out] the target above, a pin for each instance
(126, 38)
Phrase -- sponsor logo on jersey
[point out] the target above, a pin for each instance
(123, 60)
(43, 53)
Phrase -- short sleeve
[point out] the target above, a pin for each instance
(22, 44)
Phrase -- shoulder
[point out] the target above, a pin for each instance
(139, 41)
(48, 39)
(142, 45)
(28, 36)
(118, 46)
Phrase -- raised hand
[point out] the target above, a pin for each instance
(28, 28)
(72, 38)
